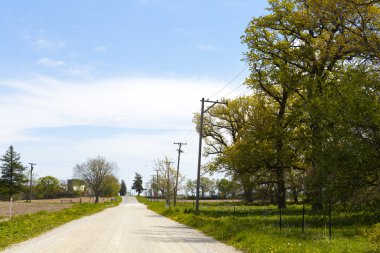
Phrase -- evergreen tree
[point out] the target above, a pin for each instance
(137, 184)
(12, 172)
(123, 188)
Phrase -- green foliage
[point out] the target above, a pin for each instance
(311, 125)
(48, 187)
(224, 187)
(123, 188)
(13, 175)
(373, 233)
(206, 185)
(110, 186)
(138, 184)
(227, 188)
(23, 227)
(93, 172)
(256, 228)
(190, 187)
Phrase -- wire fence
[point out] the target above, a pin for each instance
(297, 218)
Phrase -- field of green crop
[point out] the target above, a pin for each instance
(257, 228)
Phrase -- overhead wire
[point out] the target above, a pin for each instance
(229, 83)
(191, 133)
(237, 87)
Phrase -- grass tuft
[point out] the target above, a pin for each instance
(23, 227)
(256, 228)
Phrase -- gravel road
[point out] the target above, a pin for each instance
(129, 227)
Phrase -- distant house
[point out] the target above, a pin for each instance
(75, 185)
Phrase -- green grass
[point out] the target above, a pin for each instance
(23, 227)
(256, 228)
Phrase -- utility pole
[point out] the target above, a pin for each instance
(203, 111)
(176, 180)
(31, 180)
(168, 183)
(157, 188)
(151, 189)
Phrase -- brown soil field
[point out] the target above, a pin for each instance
(22, 207)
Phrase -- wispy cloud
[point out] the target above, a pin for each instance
(185, 31)
(100, 49)
(138, 117)
(78, 70)
(70, 69)
(209, 48)
(128, 102)
(48, 44)
(50, 62)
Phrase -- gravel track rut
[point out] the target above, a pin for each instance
(129, 227)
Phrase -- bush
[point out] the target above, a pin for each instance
(373, 233)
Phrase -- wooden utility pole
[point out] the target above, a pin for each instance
(176, 181)
(168, 183)
(31, 181)
(157, 187)
(203, 111)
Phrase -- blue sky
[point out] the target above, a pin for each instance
(117, 78)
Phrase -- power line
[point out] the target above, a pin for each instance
(233, 79)
(243, 93)
(237, 87)
(188, 137)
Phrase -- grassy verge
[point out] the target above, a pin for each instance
(256, 228)
(23, 227)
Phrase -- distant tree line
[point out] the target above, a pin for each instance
(15, 181)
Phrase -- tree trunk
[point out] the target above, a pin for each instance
(316, 148)
(295, 197)
(281, 190)
(280, 173)
(96, 198)
(248, 195)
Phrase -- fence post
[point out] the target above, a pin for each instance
(330, 220)
(303, 217)
(10, 208)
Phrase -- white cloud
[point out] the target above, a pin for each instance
(100, 49)
(50, 62)
(209, 48)
(130, 102)
(49, 44)
(70, 69)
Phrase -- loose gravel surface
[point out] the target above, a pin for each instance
(129, 227)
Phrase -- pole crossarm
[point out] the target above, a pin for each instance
(213, 104)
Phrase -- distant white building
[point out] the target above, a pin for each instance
(74, 185)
